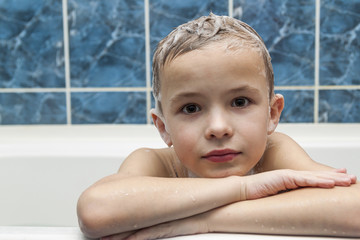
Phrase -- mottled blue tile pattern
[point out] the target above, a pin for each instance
(299, 106)
(32, 108)
(288, 30)
(108, 56)
(108, 107)
(340, 42)
(31, 43)
(107, 43)
(339, 106)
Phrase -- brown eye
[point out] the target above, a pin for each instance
(191, 108)
(240, 102)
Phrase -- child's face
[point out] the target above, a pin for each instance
(216, 110)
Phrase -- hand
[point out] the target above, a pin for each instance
(272, 182)
(185, 226)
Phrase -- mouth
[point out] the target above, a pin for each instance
(223, 155)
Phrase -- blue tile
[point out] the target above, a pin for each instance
(108, 107)
(288, 30)
(32, 108)
(299, 106)
(107, 43)
(340, 42)
(31, 43)
(339, 106)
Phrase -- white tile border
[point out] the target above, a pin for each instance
(317, 61)
(67, 60)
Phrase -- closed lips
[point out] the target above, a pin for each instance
(223, 155)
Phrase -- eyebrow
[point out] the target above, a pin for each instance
(245, 88)
(184, 95)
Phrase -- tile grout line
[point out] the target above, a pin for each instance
(317, 61)
(147, 60)
(231, 8)
(66, 61)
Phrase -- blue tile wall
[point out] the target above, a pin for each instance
(31, 43)
(340, 42)
(299, 106)
(109, 61)
(339, 106)
(288, 30)
(32, 108)
(107, 43)
(109, 107)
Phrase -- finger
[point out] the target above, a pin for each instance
(340, 170)
(339, 178)
(353, 179)
(321, 179)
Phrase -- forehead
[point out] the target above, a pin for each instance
(214, 59)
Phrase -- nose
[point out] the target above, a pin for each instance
(218, 126)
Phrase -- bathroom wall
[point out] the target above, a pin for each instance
(89, 61)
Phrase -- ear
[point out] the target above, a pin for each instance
(161, 127)
(276, 107)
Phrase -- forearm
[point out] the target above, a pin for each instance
(309, 211)
(116, 206)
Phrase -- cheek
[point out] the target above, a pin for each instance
(183, 138)
(254, 129)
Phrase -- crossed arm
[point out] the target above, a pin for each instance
(142, 202)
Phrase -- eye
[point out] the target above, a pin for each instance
(190, 108)
(240, 102)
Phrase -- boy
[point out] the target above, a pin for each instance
(216, 110)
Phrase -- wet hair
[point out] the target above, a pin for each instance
(201, 32)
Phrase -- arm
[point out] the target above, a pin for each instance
(307, 211)
(141, 194)
(125, 202)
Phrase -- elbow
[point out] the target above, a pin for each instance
(87, 216)
(93, 217)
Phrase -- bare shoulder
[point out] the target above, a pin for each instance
(283, 152)
(149, 162)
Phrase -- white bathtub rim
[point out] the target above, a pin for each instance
(113, 140)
